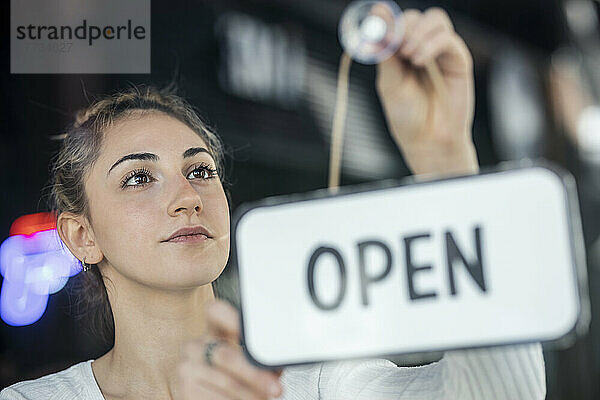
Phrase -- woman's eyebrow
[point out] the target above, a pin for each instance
(192, 151)
(134, 156)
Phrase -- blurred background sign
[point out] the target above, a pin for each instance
(34, 263)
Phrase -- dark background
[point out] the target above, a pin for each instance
(277, 138)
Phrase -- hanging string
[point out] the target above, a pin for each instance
(339, 114)
(337, 129)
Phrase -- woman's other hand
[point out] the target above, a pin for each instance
(432, 127)
(230, 376)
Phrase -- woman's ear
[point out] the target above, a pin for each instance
(76, 233)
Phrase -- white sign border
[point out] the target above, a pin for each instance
(577, 245)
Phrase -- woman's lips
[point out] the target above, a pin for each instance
(193, 231)
(196, 238)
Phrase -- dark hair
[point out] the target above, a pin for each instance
(80, 150)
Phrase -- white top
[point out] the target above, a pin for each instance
(511, 372)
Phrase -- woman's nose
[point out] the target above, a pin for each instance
(186, 199)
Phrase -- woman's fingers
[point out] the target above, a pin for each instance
(223, 320)
(219, 383)
(192, 389)
(432, 20)
(430, 35)
(229, 375)
(231, 387)
(230, 360)
(439, 44)
(421, 27)
(410, 19)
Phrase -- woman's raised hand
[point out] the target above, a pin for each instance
(430, 121)
(231, 376)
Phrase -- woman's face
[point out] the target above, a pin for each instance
(152, 178)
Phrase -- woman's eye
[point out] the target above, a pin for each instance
(136, 178)
(202, 172)
(139, 179)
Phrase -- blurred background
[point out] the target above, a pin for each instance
(263, 74)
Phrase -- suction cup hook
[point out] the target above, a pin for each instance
(371, 31)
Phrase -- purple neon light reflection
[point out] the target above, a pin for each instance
(33, 267)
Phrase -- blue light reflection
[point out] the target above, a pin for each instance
(33, 267)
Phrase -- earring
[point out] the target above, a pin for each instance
(85, 267)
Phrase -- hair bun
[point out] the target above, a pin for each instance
(81, 116)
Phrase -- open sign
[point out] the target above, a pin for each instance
(461, 262)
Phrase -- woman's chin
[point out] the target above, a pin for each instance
(191, 276)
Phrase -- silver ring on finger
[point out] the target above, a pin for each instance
(209, 350)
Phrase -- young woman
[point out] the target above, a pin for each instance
(138, 190)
